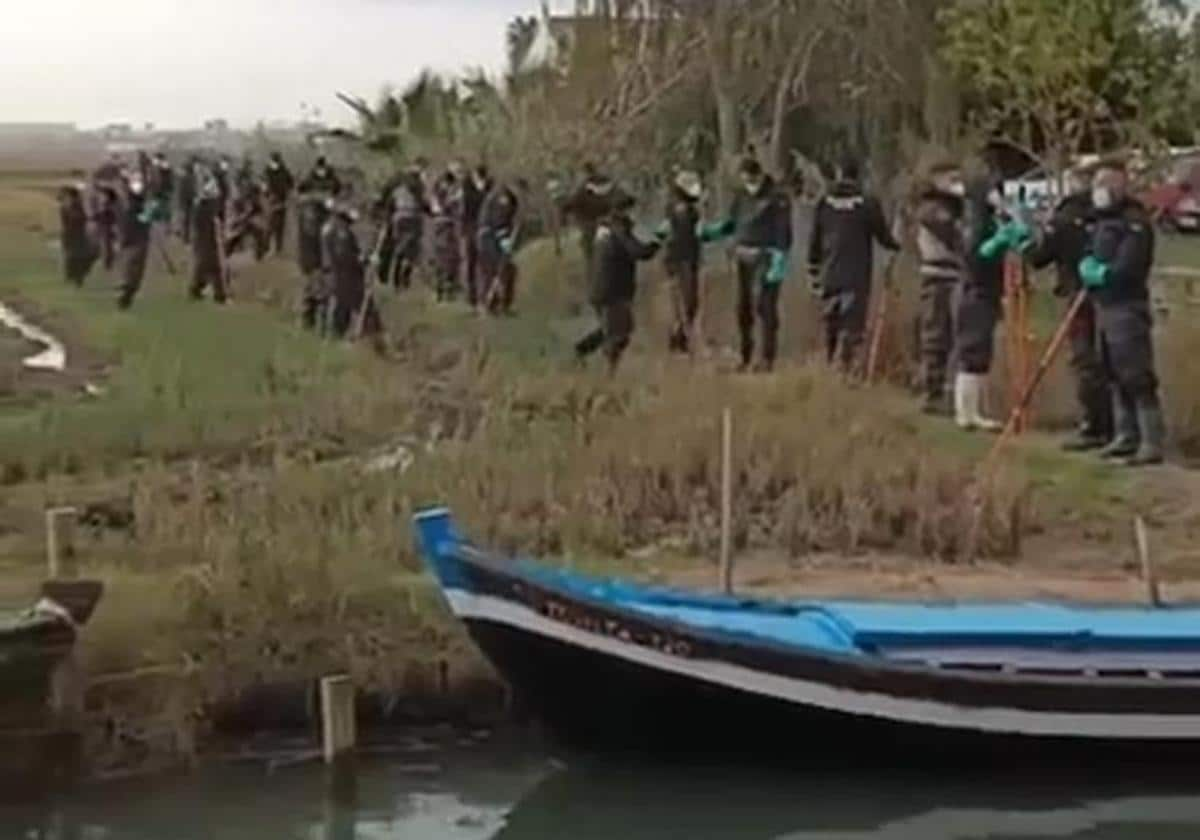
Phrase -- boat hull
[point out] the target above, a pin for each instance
(601, 671)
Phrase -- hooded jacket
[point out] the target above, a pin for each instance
(846, 226)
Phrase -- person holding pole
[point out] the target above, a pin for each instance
(682, 248)
(1116, 271)
(1064, 242)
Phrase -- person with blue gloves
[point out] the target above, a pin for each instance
(617, 251)
(760, 223)
(1063, 242)
(1116, 271)
(841, 261)
(498, 230)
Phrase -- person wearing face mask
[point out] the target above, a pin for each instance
(682, 249)
(760, 222)
(475, 188)
(1116, 272)
(941, 244)
(280, 184)
(322, 178)
(136, 222)
(978, 305)
(590, 204)
(345, 267)
(841, 261)
(1064, 243)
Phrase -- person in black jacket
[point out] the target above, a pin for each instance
(1064, 242)
(280, 184)
(594, 200)
(1116, 271)
(841, 261)
(614, 283)
(106, 215)
(682, 258)
(475, 188)
(760, 221)
(135, 239)
(208, 264)
(187, 194)
(311, 216)
(499, 228)
(79, 252)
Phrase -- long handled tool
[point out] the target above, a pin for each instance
(880, 322)
(222, 257)
(1029, 389)
(1016, 304)
(360, 320)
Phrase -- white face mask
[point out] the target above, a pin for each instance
(752, 187)
(1102, 197)
(952, 185)
(996, 200)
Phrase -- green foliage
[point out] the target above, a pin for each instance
(1052, 79)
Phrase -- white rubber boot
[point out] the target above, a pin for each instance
(975, 386)
(962, 408)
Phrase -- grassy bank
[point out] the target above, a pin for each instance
(222, 476)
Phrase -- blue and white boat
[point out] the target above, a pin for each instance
(615, 664)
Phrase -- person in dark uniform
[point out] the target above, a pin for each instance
(280, 184)
(345, 268)
(614, 284)
(988, 237)
(476, 187)
(163, 188)
(311, 217)
(135, 239)
(841, 261)
(760, 221)
(78, 249)
(188, 193)
(208, 265)
(106, 216)
(224, 176)
(941, 243)
(1116, 271)
(407, 208)
(446, 212)
(499, 223)
(682, 251)
(322, 178)
(1064, 242)
(249, 221)
(593, 201)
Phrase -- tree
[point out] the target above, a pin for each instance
(1052, 80)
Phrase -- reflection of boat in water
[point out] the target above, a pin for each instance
(612, 663)
(597, 802)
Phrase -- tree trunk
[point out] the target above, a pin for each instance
(718, 42)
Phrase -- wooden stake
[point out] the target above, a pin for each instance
(1141, 544)
(727, 502)
(60, 543)
(339, 732)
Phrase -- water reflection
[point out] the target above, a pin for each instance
(496, 793)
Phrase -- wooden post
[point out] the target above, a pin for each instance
(727, 502)
(1141, 544)
(60, 543)
(339, 732)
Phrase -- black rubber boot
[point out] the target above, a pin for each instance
(1154, 432)
(1126, 439)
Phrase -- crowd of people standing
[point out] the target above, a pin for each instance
(466, 224)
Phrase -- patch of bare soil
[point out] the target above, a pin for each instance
(21, 386)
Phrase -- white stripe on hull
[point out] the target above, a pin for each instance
(997, 720)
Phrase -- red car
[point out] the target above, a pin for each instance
(1176, 203)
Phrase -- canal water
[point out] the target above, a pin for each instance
(492, 792)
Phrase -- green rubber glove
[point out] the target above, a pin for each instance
(994, 247)
(778, 270)
(506, 245)
(1094, 273)
(663, 232)
(716, 231)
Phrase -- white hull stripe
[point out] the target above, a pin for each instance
(997, 720)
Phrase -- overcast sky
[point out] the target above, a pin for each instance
(178, 62)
